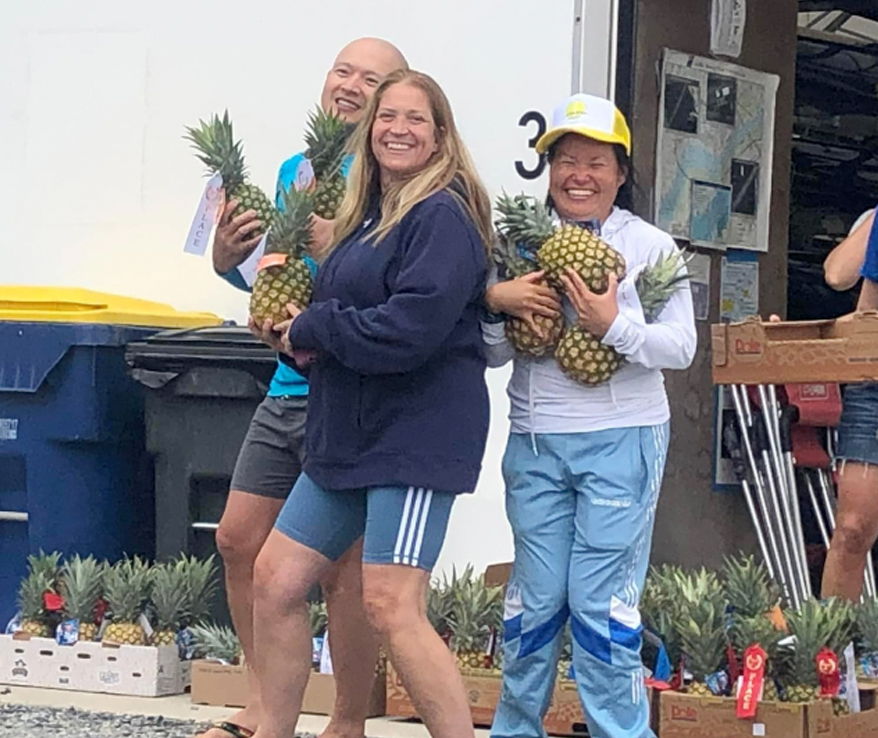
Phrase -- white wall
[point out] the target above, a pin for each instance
(97, 186)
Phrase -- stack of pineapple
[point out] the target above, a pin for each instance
(529, 241)
(699, 615)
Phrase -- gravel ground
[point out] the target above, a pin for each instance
(24, 721)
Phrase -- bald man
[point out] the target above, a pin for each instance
(270, 459)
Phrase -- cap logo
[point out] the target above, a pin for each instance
(575, 109)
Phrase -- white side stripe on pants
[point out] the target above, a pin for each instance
(410, 537)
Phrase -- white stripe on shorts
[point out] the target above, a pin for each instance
(401, 535)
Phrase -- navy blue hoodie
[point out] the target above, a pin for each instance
(398, 394)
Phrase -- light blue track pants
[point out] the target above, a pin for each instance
(582, 511)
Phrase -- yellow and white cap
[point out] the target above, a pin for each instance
(590, 116)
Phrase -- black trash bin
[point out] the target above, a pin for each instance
(203, 387)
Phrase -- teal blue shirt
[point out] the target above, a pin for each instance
(286, 382)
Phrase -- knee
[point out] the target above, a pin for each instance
(273, 586)
(388, 611)
(852, 535)
(237, 544)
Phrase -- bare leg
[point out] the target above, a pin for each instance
(353, 643)
(855, 532)
(245, 525)
(284, 574)
(395, 598)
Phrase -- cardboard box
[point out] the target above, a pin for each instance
(753, 352)
(564, 717)
(227, 686)
(687, 716)
(141, 671)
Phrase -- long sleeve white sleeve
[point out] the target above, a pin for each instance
(668, 343)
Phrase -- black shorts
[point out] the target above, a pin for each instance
(270, 459)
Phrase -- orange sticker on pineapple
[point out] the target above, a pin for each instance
(270, 260)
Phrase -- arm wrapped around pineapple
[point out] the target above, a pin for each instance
(531, 240)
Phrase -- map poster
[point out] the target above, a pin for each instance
(714, 153)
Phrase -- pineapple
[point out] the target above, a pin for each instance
(815, 626)
(750, 630)
(126, 587)
(82, 586)
(201, 587)
(657, 283)
(170, 600)
(584, 359)
(31, 602)
(525, 219)
(290, 280)
(512, 262)
(475, 612)
(702, 627)
(217, 642)
(750, 590)
(326, 138)
(47, 565)
(219, 152)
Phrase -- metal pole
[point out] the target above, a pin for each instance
(8, 516)
(742, 411)
(777, 467)
(824, 533)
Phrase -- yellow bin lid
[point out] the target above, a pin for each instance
(27, 304)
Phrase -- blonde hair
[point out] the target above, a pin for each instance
(450, 167)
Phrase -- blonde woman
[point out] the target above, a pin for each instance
(398, 412)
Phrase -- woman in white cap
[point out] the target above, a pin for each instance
(584, 464)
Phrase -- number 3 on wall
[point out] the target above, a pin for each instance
(532, 116)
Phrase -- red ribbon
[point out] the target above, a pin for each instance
(751, 687)
(828, 671)
(53, 602)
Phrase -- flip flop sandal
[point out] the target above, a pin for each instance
(236, 731)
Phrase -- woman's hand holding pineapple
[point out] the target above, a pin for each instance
(525, 298)
(596, 312)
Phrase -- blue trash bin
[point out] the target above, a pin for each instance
(74, 472)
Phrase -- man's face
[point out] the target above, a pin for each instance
(355, 76)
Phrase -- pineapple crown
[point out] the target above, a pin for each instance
(82, 587)
(474, 611)
(326, 138)
(46, 564)
(218, 150)
(701, 610)
(756, 630)
(513, 260)
(216, 642)
(815, 626)
(170, 594)
(867, 625)
(750, 590)
(126, 588)
(31, 594)
(658, 282)
(291, 232)
(201, 586)
(523, 219)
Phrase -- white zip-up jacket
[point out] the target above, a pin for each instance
(544, 400)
